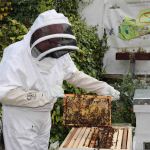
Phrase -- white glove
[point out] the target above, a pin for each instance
(108, 90)
(114, 93)
(23, 98)
(90, 84)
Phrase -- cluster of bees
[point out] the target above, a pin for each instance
(87, 110)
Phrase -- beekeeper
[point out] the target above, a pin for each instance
(32, 72)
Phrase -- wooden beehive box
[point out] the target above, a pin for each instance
(90, 117)
(85, 138)
(87, 110)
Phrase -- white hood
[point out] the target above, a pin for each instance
(49, 17)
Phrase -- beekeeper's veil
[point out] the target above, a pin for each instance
(51, 36)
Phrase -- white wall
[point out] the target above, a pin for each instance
(93, 14)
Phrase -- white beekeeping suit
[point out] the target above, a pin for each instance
(32, 73)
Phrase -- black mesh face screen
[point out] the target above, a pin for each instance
(58, 54)
(54, 43)
(60, 41)
(50, 30)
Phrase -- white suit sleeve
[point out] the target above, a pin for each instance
(86, 82)
(90, 84)
(24, 98)
(13, 88)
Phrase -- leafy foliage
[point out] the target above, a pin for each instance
(88, 43)
(28, 12)
(11, 31)
(5, 7)
(58, 132)
(122, 111)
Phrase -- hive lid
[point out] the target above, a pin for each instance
(87, 110)
(141, 97)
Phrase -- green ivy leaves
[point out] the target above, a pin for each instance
(5, 8)
(11, 31)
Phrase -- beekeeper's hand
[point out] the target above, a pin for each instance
(114, 93)
(25, 98)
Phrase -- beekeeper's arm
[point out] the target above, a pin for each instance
(82, 80)
(90, 84)
(11, 90)
(25, 98)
